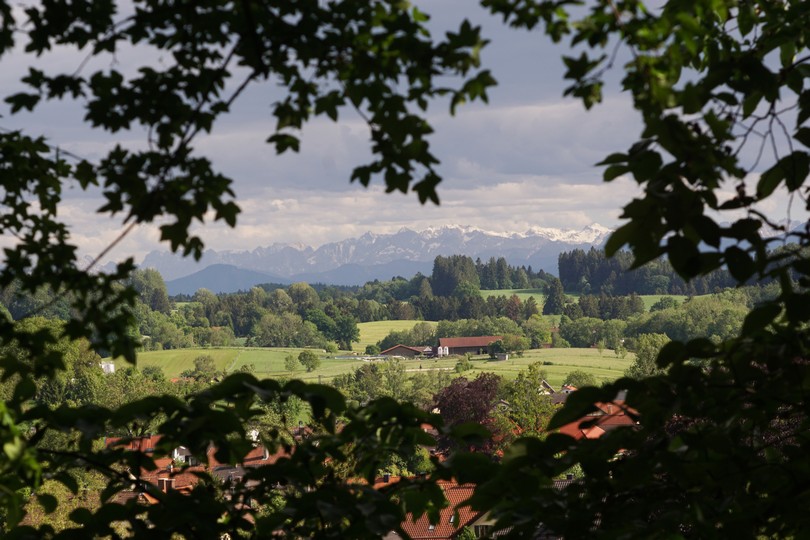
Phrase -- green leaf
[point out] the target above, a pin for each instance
(614, 159)
(22, 101)
(803, 136)
(619, 238)
(746, 16)
(759, 318)
(578, 404)
(49, 502)
(701, 348)
(797, 168)
(472, 467)
(684, 256)
(787, 52)
(740, 264)
(750, 103)
(769, 181)
(614, 171)
(674, 352)
(82, 516)
(708, 230)
(284, 142)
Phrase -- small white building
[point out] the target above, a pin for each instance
(108, 366)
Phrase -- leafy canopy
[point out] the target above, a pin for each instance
(720, 86)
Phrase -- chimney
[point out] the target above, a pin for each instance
(569, 476)
(386, 478)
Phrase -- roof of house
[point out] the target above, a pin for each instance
(607, 416)
(475, 341)
(456, 494)
(418, 350)
(185, 478)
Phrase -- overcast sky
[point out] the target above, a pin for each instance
(526, 159)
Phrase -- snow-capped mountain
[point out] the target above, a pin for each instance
(538, 247)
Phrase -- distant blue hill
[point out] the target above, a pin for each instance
(222, 278)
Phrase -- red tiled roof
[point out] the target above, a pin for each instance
(476, 341)
(185, 477)
(607, 416)
(449, 523)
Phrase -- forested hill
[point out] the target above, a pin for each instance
(591, 272)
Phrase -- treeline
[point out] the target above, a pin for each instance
(532, 333)
(299, 315)
(455, 270)
(592, 272)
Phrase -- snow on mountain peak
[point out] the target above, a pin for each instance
(539, 246)
(593, 233)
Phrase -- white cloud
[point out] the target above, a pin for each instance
(526, 159)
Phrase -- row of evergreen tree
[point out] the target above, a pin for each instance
(592, 272)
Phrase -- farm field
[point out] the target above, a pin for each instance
(604, 367)
(523, 294)
(269, 363)
(372, 332)
(175, 361)
(650, 299)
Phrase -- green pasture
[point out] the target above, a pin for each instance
(605, 367)
(523, 294)
(175, 361)
(372, 332)
(269, 363)
(650, 299)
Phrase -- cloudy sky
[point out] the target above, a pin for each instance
(526, 159)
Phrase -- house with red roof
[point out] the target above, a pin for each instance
(452, 519)
(464, 345)
(458, 515)
(607, 416)
(177, 472)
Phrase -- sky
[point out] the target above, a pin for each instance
(527, 159)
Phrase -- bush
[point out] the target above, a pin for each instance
(464, 364)
(309, 360)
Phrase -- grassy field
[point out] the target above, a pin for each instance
(523, 294)
(372, 332)
(650, 299)
(560, 362)
(269, 363)
(175, 361)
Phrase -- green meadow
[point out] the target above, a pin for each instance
(650, 299)
(523, 294)
(269, 363)
(372, 332)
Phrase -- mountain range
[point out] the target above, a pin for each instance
(371, 256)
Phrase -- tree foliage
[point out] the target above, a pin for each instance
(309, 359)
(721, 89)
(579, 379)
(328, 56)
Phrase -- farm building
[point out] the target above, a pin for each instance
(407, 352)
(463, 345)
